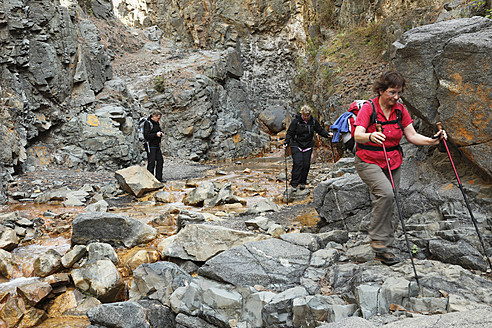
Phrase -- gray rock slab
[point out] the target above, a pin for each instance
(460, 253)
(185, 321)
(278, 312)
(263, 206)
(101, 251)
(114, 229)
(342, 202)
(159, 278)
(123, 314)
(272, 263)
(199, 242)
(479, 318)
(72, 256)
(99, 278)
(308, 240)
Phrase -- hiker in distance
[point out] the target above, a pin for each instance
(300, 136)
(370, 161)
(153, 133)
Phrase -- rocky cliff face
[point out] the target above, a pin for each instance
(269, 36)
(52, 65)
(61, 102)
(449, 67)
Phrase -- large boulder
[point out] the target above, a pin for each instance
(47, 263)
(343, 203)
(99, 278)
(142, 314)
(198, 242)
(272, 263)
(158, 281)
(273, 118)
(220, 303)
(114, 229)
(449, 67)
(8, 238)
(137, 180)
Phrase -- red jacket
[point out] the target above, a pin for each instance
(392, 132)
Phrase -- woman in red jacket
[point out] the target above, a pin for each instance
(370, 161)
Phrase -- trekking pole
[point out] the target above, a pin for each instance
(286, 183)
(439, 127)
(380, 129)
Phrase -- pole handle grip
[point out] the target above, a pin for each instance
(379, 128)
(439, 126)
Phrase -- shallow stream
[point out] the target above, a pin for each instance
(251, 179)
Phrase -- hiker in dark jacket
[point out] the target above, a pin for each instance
(153, 133)
(300, 136)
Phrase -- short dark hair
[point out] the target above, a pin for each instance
(389, 79)
(155, 113)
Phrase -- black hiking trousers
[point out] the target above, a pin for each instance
(155, 162)
(301, 164)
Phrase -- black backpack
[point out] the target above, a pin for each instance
(140, 132)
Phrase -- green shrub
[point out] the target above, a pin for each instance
(159, 84)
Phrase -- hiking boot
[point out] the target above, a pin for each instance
(378, 246)
(387, 258)
(302, 187)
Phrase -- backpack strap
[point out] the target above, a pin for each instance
(374, 120)
(146, 142)
(374, 117)
(376, 148)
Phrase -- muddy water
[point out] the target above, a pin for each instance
(251, 179)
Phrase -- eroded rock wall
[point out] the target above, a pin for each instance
(270, 35)
(52, 66)
(273, 35)
(449, 70)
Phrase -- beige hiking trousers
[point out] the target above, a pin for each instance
(379, 183)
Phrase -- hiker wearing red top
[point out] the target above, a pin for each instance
(370, 162)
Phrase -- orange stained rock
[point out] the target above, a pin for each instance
(448, 187)
(12, 311)
(92, 120)
(237, 138)
(62, 303)
(483, 92)
(32, 317)
(32, 294)
(41, 154)
(66, 322)
(141, 256)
